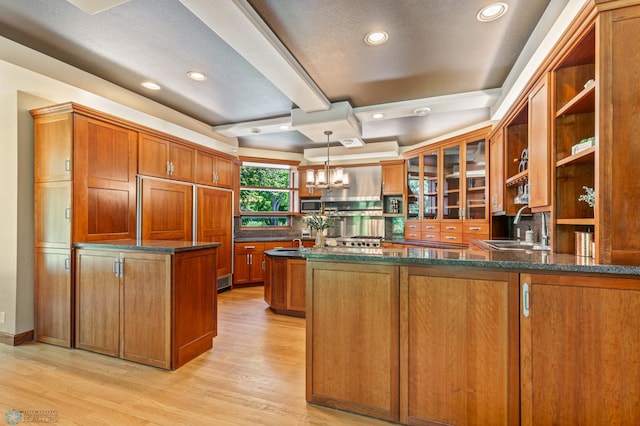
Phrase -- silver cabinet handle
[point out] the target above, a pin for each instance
(475, 228)
(116, 267)
(168, 167)
(413, 226)
(431, 236)
(412, 235)
(264, 265)
(172, 168)
(430, 227)
(67, 165)
(67, 263)
(67, 213)
(451, 228)
(450, 237)
(525, 300)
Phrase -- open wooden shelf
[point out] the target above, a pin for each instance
(583, 102)
(518, 179)
(577, 221)
(585, 156)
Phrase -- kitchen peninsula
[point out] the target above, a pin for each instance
(473, 336)
(149, 301)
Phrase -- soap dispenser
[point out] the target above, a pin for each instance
(528, 236)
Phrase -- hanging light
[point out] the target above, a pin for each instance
(327, 178)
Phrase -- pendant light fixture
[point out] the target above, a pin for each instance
(327, 178)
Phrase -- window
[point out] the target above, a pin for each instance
(265, 195)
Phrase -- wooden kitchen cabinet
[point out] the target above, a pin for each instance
(539, 146)
(248, 266)
(85, 190)
(152, 308)
(53, 301)
(215, 219)
(496, 171)
(285, 285)
(213, 170)
(579, 350)
(165, 159)
(303, 190)
(167, 210)
(393, 177)
(353, 337)
(458, 356)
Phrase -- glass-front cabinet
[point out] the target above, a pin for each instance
(475, 180)
(448, 190)
(430, 209)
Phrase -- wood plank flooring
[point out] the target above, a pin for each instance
(254, 375)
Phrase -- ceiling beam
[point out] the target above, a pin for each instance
(241, 27)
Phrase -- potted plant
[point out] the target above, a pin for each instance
(319, 224)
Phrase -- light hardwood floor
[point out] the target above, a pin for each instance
(254, 375)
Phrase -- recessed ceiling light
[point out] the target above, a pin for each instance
(376, 38)
(377, 116)
(492, 11)
(151, 85)
(421, 112)
(196, 76)
(285, 127)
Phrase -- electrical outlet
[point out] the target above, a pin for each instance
(1, 317)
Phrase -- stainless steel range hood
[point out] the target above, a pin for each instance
(365, 185)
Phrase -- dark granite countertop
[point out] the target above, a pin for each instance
(268, 239)
(285, 252)
(163, 246)
(521, 261)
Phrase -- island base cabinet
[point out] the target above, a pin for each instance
(580, 350)
(123, 305)
(458, 352)
(352, 337)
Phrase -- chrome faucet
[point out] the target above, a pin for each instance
(516, 220)
(299, 242)
(544, 232)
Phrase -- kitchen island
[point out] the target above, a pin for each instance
(473, 336)
(150, 301)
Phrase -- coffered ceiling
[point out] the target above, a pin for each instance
(302, 63)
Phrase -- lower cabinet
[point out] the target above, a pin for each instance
(284, 285)
(53, 302)
(580, 346)
(458, 359)
(152, 308)
(248, 265)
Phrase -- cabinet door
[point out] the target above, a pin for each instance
(539, 146)
(146, 309)
(205, 167)
(224, 172)
(53, 147)
(393, 178)
(215, 223)
(52, 297)
(153, 156)
(496, 172)
(579, 350)
(296, 285)
(241, 266)
(414, 186)
(183, 161)
(303, 190)
(430, 185)
(52, 207)
(257, 266)
(451, 194)
(97, 302)
(105, 161)
(268, 281)
(167, 211)
(458, 359)
(475, 181)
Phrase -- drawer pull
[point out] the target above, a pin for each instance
(450, 237)
(412, 235)
(475, 228)
(413, 226)
(430, 227)
(451, 228)
(430, 237)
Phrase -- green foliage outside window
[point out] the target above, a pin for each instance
(265, 189)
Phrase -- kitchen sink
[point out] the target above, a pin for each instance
(287, 249)
(514, 245)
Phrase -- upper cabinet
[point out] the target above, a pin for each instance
(393, 187)
(496, 171)
(214, 170)
(539, 146)
(166, 159)
(448, 190)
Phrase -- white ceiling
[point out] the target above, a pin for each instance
(268, 58)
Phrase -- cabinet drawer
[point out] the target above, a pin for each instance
(431, 236)
(412, 235)
(430, 226)
(412, 226)
(476, 228)
(451, 237)
(451, 228)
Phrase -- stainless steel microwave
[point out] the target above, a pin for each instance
(310, 206)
